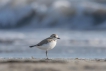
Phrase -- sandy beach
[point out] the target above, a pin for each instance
(52, 65)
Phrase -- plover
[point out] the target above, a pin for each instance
(47, 44)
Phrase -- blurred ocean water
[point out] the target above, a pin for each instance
(90, 14)
(81, 25)
(73, 44)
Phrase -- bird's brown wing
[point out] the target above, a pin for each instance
(45, 41)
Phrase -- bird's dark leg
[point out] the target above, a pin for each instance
(46, 55)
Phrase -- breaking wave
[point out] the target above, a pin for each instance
(52, 13)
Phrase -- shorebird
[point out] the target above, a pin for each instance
(47, 44)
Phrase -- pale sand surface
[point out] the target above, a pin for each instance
(52, 65)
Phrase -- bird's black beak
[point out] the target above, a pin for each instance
(58, 38)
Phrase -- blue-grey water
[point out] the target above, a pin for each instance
(27, 22)
(73, 44)
(71, 14)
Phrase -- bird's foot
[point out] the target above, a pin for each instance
(48, 59)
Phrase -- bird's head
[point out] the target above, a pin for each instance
(54, 36)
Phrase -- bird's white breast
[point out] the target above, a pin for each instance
(48, 46)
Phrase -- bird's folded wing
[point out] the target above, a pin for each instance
(45, 41)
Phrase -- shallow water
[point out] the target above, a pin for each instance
(73, 44)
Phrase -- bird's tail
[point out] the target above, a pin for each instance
(32, 46)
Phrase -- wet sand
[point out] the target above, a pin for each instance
(52, 65)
